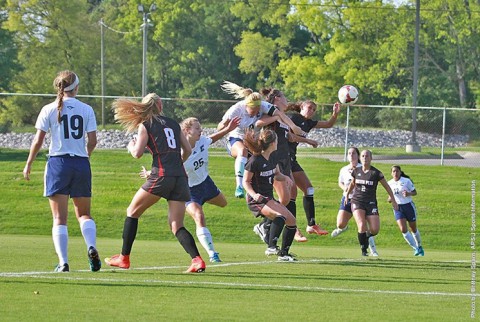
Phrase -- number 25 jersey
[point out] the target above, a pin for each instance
(197, 163)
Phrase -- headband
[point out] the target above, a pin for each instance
(255, 103)
(72, 86)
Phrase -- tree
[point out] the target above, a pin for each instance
(50, 36)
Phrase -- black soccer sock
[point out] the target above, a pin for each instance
(187, 242)
(288, 235)
(275, 231)
(363, 240)
(267, 224)
(309, 207)
(129, 233)
(292, 207)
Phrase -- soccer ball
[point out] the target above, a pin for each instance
(348, 94)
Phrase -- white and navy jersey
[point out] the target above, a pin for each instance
(403, 184)
(68, 136)
(366, 184)
(197, 163)
(345, 176)
(246, 121)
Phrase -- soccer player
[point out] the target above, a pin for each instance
(73, 130)
(169, 148)
(364, 199)
(345, 210)
(249, 110)
(202, 187)
(260, 172)
(403, 190)
(282, 188)
(303, 118)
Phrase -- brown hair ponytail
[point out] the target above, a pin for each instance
(259, 142)
(62, 83)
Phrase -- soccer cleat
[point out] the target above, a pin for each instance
(299, 237)
(197, 266)
(215, 258)
(338, 231)
(374, 254)
(286, 258)
(94, 259)
(62, 268)
(272, 251)
(239, 193)
(364, 253)
(259, 229)
(316, 229)
(121, 261)
(419, 251)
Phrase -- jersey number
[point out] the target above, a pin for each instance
(198, 164)
(73, 127)
(170, 136)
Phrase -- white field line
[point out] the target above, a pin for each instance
(64, 276)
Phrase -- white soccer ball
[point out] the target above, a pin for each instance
(348, 94)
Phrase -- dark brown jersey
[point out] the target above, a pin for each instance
(366, 184)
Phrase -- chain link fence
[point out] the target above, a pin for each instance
(434, 130)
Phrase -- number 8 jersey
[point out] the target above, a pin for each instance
(165, 147)
(68, 136)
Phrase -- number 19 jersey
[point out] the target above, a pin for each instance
(68, 136)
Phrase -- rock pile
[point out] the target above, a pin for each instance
(333, 137)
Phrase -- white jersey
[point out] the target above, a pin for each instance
(246, 121)
(403, 184)
(345, 176)
(196, 165)
(68, 136)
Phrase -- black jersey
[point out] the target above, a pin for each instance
(282, 131)
(366, 184)
(164, 145)
(305, 124)
(263, 172)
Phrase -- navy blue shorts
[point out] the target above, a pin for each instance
(346, 207)
(231, 142)
(68, 175)
(406, 211)
(203, 192)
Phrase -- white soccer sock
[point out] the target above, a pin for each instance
(371, 243)
(409, 238)
(240, 162)
(60, 241)
(89, 232)
(417, 237)
(205, 238)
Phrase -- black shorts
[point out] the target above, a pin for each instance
(295, 165)
(170, 188)
(257, 206)
(370, 207)
(285, 166)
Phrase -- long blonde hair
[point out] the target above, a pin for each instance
(130, 113)
(252, 99)
(63, 80)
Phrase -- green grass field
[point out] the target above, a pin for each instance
(330, 281)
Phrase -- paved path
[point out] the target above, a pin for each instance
(465, 159)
